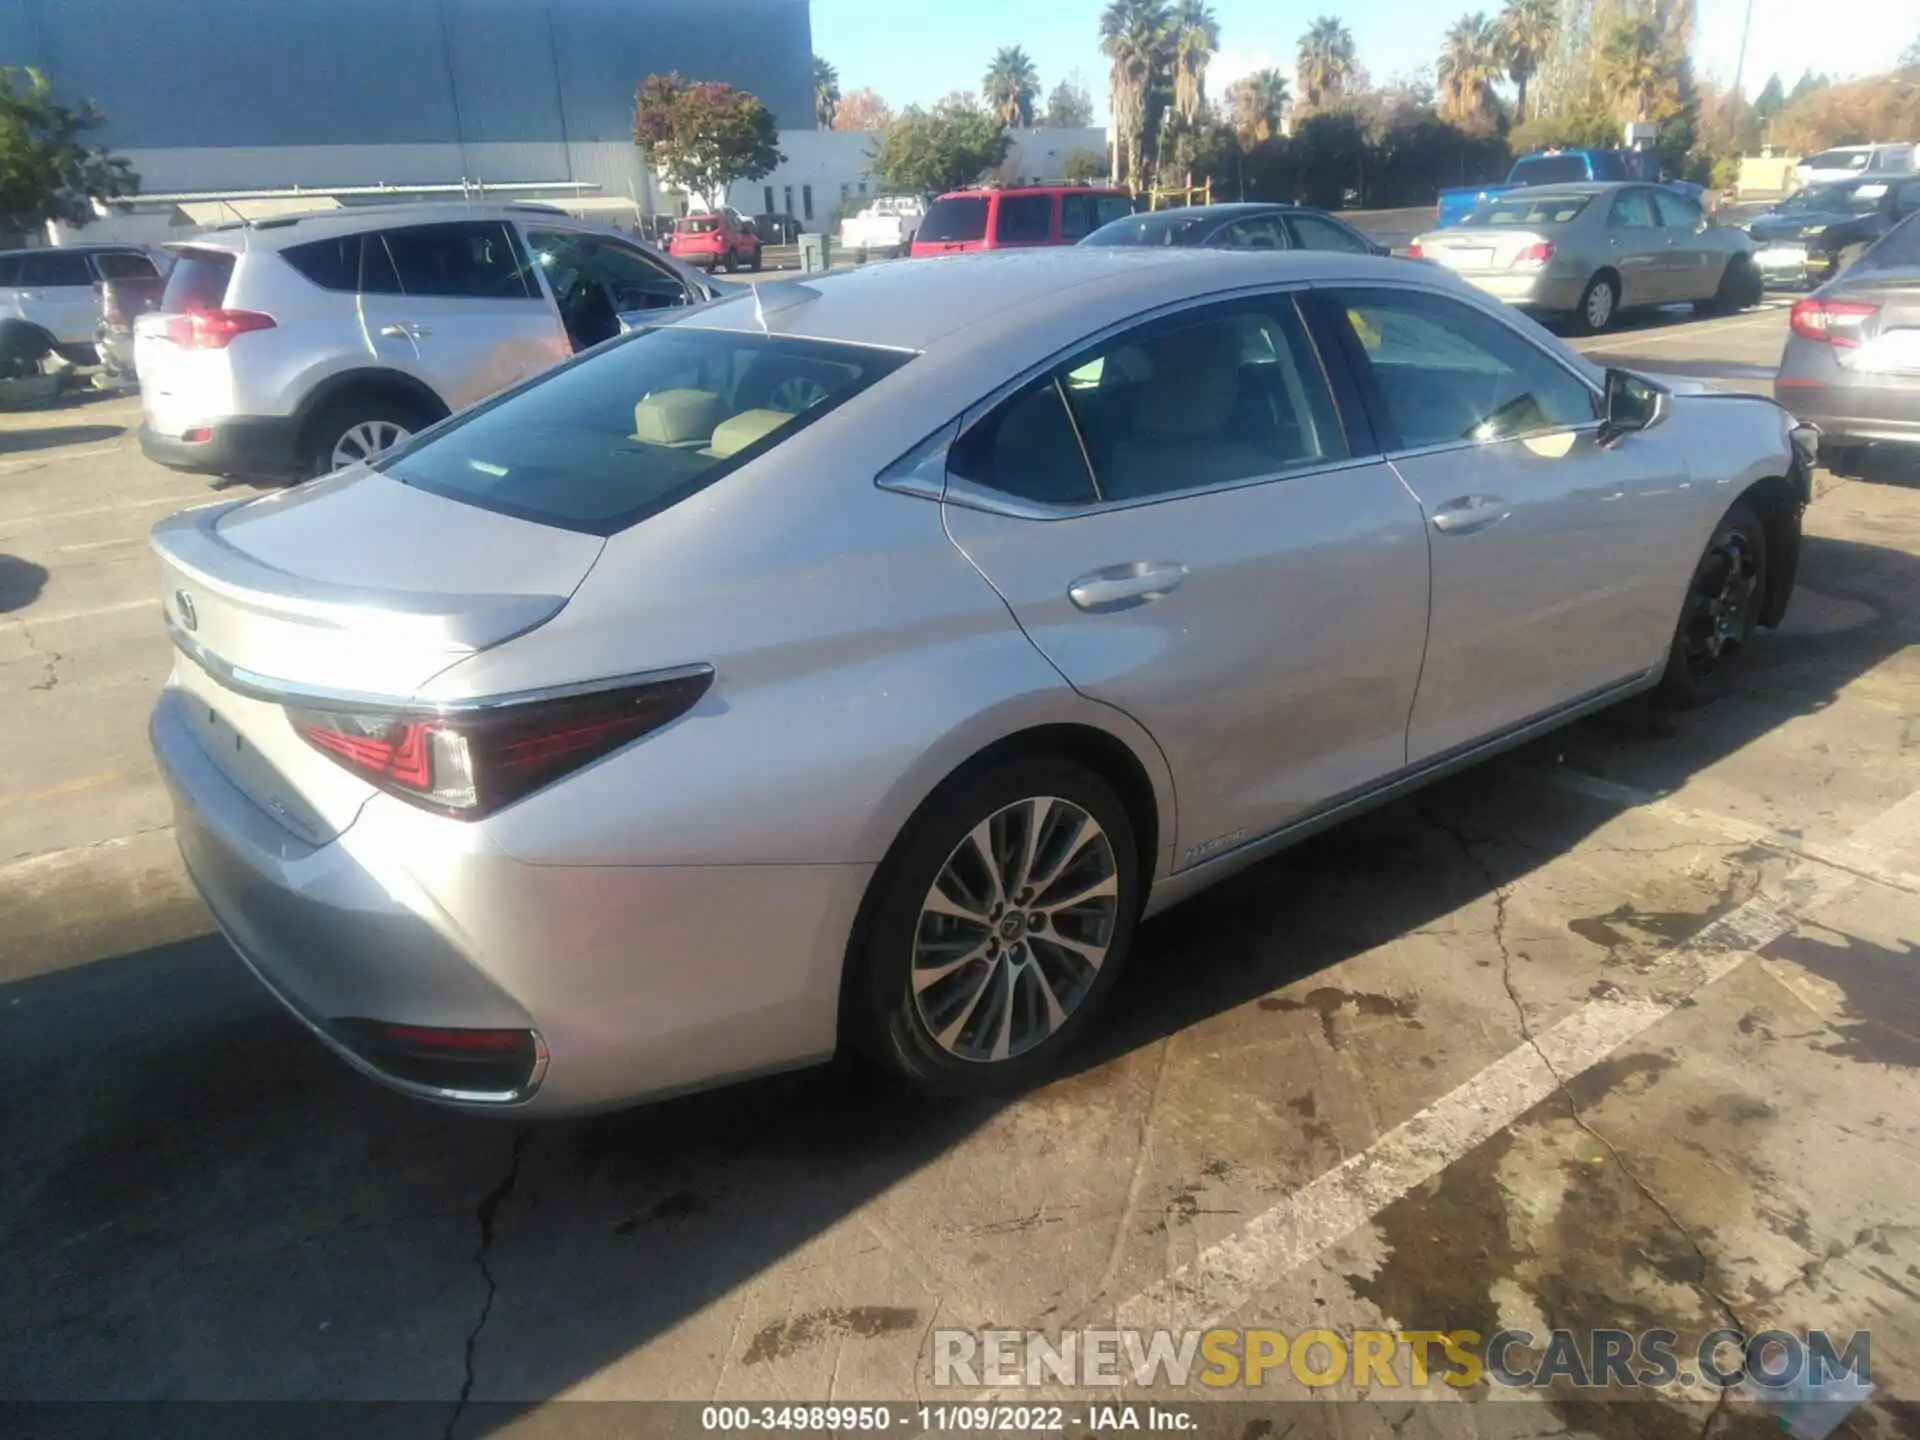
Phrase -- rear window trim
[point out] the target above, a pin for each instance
(627, 520)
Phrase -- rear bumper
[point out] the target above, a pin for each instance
(634, 982)
(1535, 291)
(1845, 411)
(264, 446)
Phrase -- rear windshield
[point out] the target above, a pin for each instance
(624, 433)
(123, 265)
(1165, 228)
(1899, 249)
(960, 218)
(1528, 209)
(1548, 170)
(697, 225)
(198, 281)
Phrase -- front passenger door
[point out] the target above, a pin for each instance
(1693, 265)
(1176, 519)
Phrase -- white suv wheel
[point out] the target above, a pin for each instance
(366, 440)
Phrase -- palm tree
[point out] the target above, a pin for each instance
(826, 93)
(1471, 61)
(1327, 60)
(1632, 66)
(1260, 105)
(1011, 85)
(1134, 38)
(1528, 29)
(1196, 36)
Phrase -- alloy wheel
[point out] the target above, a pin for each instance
(1599, 306)
(366, 440)
(1720, 608)
(1014, 929)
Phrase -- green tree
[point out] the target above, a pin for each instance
(1327, 61)
(946, 148)
(1196, 38)
(1633, 67)
(1773, 98)
(1083, 165)
(1910, 57)
(826, 93)
(1258, 105)
(1070, 107)
(703, 136)
(1011, 85)
(862, 110)
(1471, 61)
(46, 171)
(1528, 29)
(1806, 85)
(1134, 36)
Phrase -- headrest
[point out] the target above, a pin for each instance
(676, 417)
(1196, 383)
(734, 435)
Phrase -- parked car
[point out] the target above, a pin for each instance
(1564, 167)
(123, 300)
(49, 299)
(1024, 216)
(293, 346)
(716, 240)
(1848, 162)
(884, 615)
(1851, 365)
(1816, 233)
(1237, 227)
(777, 229)
(885, 227)
(1587, 252)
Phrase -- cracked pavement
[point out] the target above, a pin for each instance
(1620, 1030)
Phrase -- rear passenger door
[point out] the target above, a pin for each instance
(1181, 524)
(56, 293)
(1316, 232)
(456, 304)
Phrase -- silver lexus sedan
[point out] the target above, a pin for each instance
(855, 662)
(1588, 252)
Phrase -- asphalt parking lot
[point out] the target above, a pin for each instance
(1622, 1029)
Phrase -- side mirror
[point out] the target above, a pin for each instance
(1633, 403)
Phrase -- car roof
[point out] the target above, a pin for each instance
(919, 304)
(1226, 209)
(108, 247)
(281, 231)
(1031, 190)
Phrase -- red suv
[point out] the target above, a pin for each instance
(1029, 215)
(723, 241)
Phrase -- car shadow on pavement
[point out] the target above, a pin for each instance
(52, 437)
(200, 1202)
(21, 582)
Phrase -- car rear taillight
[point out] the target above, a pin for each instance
(1831, 322)
(1414, 252)
(467, 763)
(1538, 253)
(213, 329)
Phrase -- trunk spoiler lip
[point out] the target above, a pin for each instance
(256, 686)
(457, 624)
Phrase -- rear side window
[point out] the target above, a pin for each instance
(332, 264)
(1026, 448)
(477, 260)
(1318, 234)
(1024, 220)
(1083, 214)
(124, 265)
(55, 268)
(636, 427)
(956, 220)
(198, 281)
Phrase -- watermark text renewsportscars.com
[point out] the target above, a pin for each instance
(1398, 1359)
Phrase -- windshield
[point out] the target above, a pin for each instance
(1838, 160)
(960, 217)
(1529, 209)
(1548, 170)
(627, 431)
(1167, 228)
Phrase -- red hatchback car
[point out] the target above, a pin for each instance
(715, 242)
(1003, 219)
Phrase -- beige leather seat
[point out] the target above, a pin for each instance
(680, 418)
(1183, 423)
(736, 434)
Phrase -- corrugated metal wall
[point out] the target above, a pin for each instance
(202, 74)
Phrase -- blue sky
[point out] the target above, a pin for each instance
(918, 50)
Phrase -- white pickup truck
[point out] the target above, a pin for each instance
(886, 227)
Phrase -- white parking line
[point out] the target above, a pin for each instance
(54, 517)
(56, 457)
(62, 617)
(1301, 1228)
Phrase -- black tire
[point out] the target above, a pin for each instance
(730, 262)
(23, 347)
(1720, 612)
(1583, 322)
(754, 263)
(324, 433)
(1741, 288)
(889, 1023)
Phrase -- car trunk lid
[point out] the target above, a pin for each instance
(1889, 338)
(1474, 249)
(351, 586)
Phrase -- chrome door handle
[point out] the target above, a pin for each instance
(1121, 587)
(1470, 513)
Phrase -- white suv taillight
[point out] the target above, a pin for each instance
(213, 329)
(469, 763)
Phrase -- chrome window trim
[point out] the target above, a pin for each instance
(256, 686)
(970, 496)
(1448, 447)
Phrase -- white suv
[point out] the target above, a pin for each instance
(1843, 162)
(49, 297)
(294, 346)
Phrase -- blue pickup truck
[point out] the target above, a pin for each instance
(1562, 167)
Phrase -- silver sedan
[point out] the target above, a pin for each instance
(854, 663)
(1588, 252)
